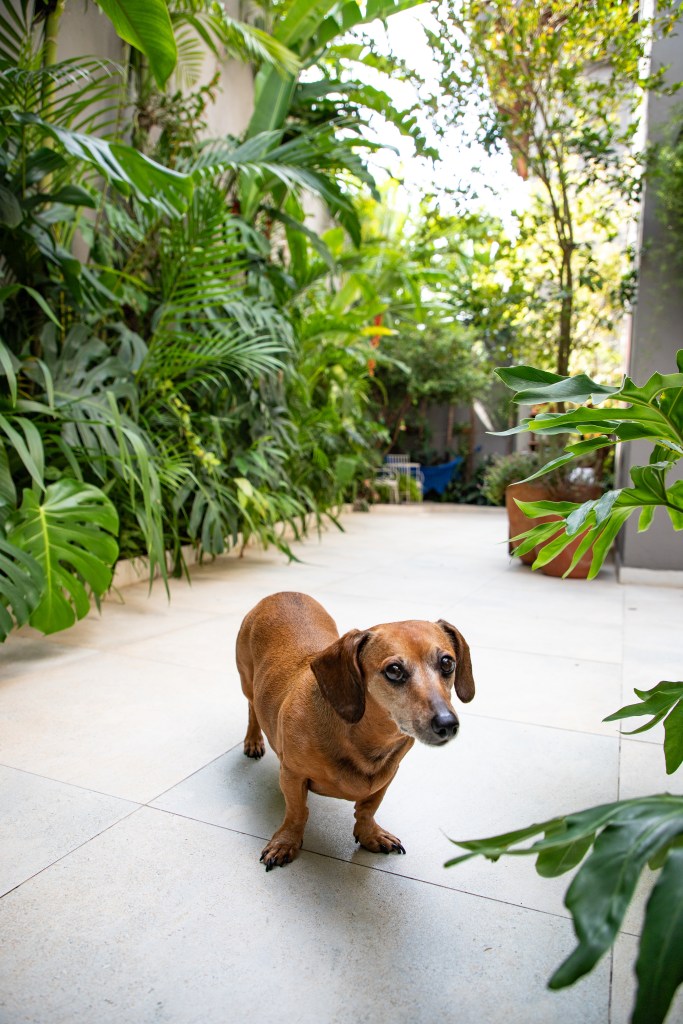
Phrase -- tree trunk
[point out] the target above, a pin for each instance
(564, 346)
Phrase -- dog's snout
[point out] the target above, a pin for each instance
(445, 725)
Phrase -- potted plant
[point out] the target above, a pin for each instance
(502, 484)
(510, 479)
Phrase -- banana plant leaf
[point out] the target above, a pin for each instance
(616, 842)
(306, 29)
(70, 534)
(146, 25)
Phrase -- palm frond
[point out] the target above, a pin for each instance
(226, 36)
(15, 31)
(87, 92)
(204, 321)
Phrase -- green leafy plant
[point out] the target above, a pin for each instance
(665, 703)
(504, 470)
(653, 412)
(70, 535)
(161, 345)
(617, 840)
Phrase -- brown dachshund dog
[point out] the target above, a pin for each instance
(341, 712)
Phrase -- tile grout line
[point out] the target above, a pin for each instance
(372, 867)
(545, 725)
(73, 785)
(79, 846)
(610, 989)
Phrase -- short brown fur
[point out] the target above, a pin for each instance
(339, 726)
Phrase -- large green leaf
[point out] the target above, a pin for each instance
(146, 25)
(70, 535)
(663, 702)
(617, 841)
(660, 960)
(21, 584)
(602, 890)
(127, 169)
(534, 386)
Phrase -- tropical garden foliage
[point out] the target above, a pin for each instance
(178, 362)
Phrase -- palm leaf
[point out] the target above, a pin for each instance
(15, 31)
(87, 92)
(129, 171)
(204, 322)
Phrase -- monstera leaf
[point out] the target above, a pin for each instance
(21, 584)
(69, 535)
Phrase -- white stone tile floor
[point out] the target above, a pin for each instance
(131, 823)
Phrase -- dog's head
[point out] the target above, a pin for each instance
(409, 668)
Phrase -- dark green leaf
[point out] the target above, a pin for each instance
(602, 890)
(673, 739)
(521, 378)
(572, 389)
(660, 958)
(10, 208)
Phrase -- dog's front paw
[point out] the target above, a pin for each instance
(378, 840)
(280, 851)
(254, 748)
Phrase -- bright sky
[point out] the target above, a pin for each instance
(408, 41)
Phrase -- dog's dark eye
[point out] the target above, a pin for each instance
(395, 673)
(447, 664)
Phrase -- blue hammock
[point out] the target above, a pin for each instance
(437, 478)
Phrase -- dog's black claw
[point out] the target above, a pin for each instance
(399, 848)
(356, 839)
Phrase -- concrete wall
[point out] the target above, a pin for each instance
(84, 31)
(657, 328)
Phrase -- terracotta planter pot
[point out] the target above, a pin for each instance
(518, 523)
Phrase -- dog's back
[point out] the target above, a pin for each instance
(293, 625)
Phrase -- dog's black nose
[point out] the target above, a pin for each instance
(445, 725)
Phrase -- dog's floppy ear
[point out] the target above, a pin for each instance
(340, 675)
(464, 680)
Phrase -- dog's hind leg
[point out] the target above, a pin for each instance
(254, 745)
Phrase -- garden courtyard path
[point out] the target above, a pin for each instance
(131, 823)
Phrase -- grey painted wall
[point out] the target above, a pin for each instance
(657, 329)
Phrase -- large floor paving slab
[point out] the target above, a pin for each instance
(165, 919)
(131, 823)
